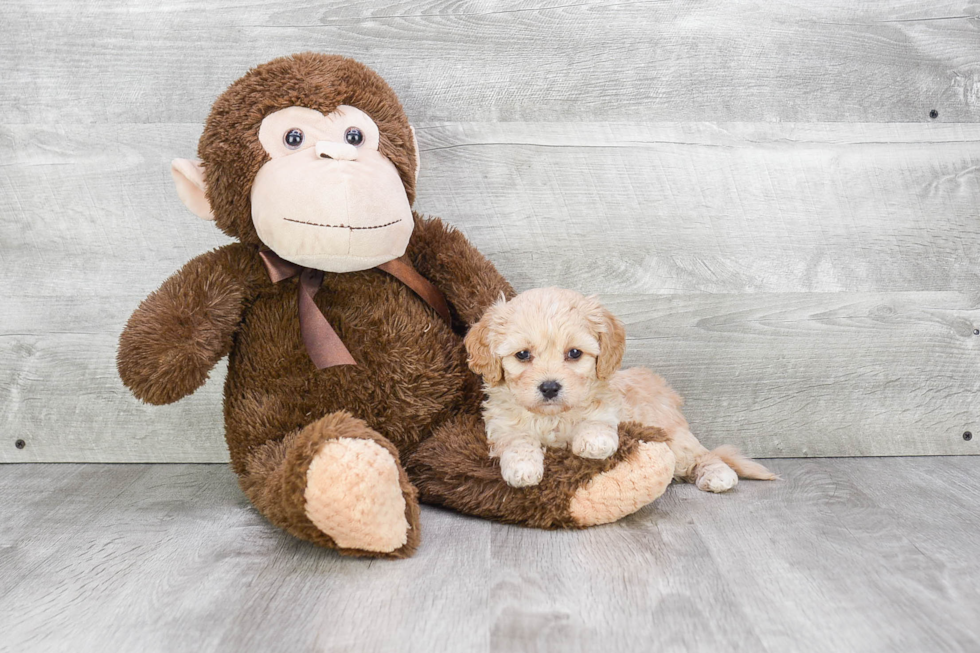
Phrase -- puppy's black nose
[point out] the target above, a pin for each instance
(549, 389)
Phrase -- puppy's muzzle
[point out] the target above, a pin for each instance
(549, 389)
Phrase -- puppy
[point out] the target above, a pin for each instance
(550, 364)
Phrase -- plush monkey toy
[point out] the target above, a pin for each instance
(348, 397)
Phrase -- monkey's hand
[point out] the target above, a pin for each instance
(444, 256)
(181, 330)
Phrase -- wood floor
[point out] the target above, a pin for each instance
(871, 554)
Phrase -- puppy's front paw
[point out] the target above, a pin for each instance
(522, 468)
(716, 477)
(596, 441)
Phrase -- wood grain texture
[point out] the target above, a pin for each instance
(777, 374)
(811, 289)
(835, 374)
(510, 60)
(716, 208)
(846, 555)
(755, 186)
(662, 208)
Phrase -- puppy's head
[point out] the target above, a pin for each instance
(550, 348)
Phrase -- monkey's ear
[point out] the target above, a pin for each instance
(189, 179)
(418, 161)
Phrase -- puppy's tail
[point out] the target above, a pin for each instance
(743, 466)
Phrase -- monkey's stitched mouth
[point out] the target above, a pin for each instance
(343, 226)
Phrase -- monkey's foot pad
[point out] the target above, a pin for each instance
(352, 494)
(625, 488)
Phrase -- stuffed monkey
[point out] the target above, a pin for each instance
(348, 399)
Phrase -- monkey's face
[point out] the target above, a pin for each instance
(311, 155)
(327, 198)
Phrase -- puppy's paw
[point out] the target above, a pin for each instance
(522, 473)
(596, 441)
(716, 477)
(522, 468)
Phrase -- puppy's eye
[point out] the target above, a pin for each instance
(573, 354)
(523, 355)
(293, 138)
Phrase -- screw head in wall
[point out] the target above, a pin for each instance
(933, 114)
(967, 436)
(20, 444)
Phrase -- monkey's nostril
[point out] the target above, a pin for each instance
(549, 389)
(324, 155)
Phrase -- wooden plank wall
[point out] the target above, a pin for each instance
(756, 187)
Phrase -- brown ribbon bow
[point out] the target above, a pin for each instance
(322, 343)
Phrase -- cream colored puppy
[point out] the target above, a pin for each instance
(550, 364)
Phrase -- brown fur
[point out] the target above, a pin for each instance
(230, 147)
(275, 479)
(186, 326)
(473, 483)
(411, 384)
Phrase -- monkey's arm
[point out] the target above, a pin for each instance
(181, 330)
(444, 256)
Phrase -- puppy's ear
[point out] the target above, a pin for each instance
(479, 349)
(612, 340)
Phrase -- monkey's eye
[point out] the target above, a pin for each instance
(354, 136)
(293, 138)
(573, 354)
(523, 355)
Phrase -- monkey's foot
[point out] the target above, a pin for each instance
(353, 495)
(627, 487)
(454, 468)
(339, 484)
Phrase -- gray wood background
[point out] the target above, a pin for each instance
(756, 187)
